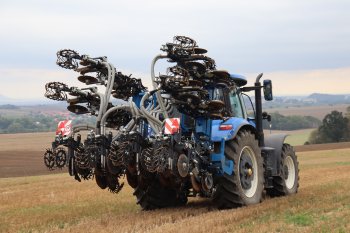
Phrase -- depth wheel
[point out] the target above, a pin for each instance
(287, 182)
(49, 159)
(246, 184)
(61, 157)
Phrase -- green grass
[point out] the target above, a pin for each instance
(300, 219)
(299, 138)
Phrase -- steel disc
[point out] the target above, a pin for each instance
(77, 109)
(87, 79)
(183, 165)
(190, 97)
(199, 50)
(222, 74)
(196, 67)
(215, 105)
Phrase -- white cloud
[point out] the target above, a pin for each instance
(242, 36)
(247, 35)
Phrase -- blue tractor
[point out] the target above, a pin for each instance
(190, 136)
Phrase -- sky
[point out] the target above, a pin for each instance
(302, 46)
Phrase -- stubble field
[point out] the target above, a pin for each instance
(316, 111)
(58, 203)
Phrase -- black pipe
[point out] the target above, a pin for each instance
(258, 107)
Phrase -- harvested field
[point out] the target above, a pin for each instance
(327, 146)
(316, 111)
(58, 203)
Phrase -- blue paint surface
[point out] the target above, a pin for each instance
(217, 135)
(240, 80)
(219, 160)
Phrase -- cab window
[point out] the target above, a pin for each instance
(218, 94)
(236, 106)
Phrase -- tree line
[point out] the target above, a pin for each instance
(36, 123)
(281, 122)
(335, 127)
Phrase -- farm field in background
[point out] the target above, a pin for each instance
(296, 137)
(316, 111)
(27, 158)
(58, 203)
(22, 154)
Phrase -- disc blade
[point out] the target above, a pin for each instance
(220, 74)
(87, 79)
(77, 109)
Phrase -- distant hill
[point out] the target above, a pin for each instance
(4, 100)
(315, 99)
(329, 99)
(8, 106)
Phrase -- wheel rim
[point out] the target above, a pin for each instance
(289, 172)
(248, 171)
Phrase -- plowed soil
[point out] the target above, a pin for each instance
(22, 154)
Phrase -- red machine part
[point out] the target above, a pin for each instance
(64, 128)
(172, 125)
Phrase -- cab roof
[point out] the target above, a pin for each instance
(240, 80)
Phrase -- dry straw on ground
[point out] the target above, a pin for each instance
(58, 203)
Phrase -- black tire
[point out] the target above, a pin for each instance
(131, 179)
(234, 190)
(155, 196)
(284, 184)
(101, 179)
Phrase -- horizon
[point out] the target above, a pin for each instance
(4, 100)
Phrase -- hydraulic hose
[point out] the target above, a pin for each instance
(103, 120)
(159, 97)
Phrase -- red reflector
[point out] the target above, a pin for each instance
(225, 127)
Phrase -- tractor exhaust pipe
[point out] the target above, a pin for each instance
(258, 107)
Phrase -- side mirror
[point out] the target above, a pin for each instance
(268, 90)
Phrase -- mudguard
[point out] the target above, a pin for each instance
(237, 123)
(275, 141)
(218, 159)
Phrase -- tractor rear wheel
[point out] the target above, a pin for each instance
(155, 196)
(246, 184)
(288, 181)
